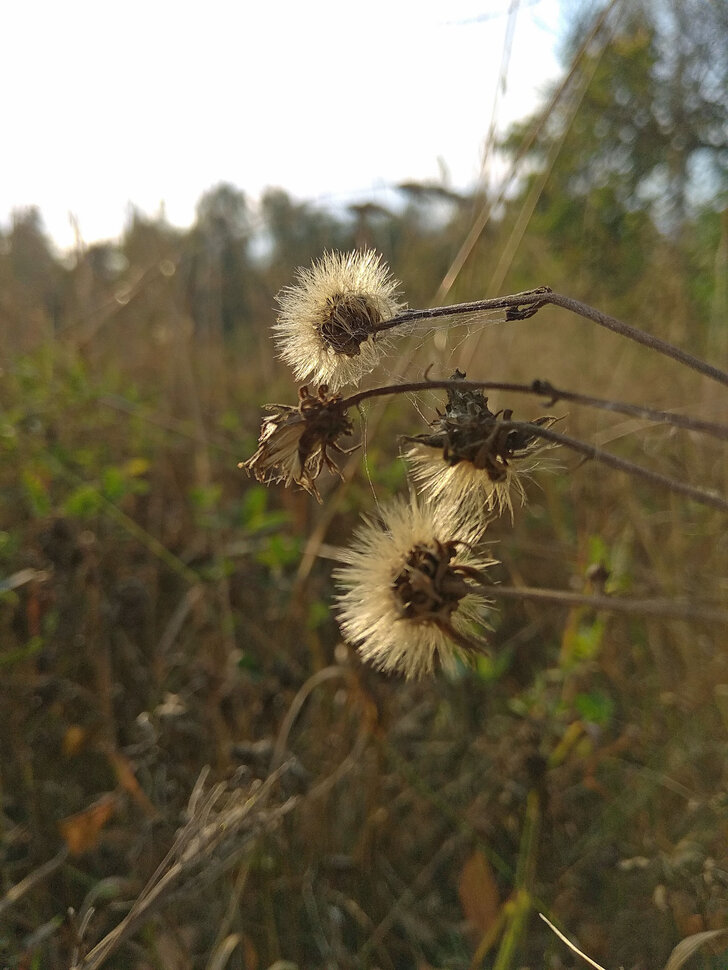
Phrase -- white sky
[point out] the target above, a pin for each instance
(107, 104)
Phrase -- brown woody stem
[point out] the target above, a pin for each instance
(711, 499)
(545, 389)
(528, 303)
(615, 604)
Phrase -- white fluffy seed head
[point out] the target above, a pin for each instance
(372, 614)
(468, 491)
(324, 324)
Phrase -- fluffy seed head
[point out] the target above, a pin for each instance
(465, 488)
(411, 591)
(470, 462)
(326, 320)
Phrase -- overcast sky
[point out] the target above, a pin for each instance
(108, 104)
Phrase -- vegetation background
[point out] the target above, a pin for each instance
(159, 612)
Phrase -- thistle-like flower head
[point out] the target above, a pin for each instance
(412, 591)
(470, 461)
(295, 442)
(325, 327)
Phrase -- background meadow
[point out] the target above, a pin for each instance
(160, 612)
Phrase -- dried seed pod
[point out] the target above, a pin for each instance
(327, 320)
(470, 460)
(412, 591)
(296, 442)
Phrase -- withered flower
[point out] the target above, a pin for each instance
(470, 460)
(412, 590)
(325, 327)
(296, 442)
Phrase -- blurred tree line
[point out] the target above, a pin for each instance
(626, 169)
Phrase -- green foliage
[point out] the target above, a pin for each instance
(626, 159)
(255, 515)
(596, 707)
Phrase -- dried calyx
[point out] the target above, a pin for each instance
(351, 319)
(430, 586)
(470, 431)
(296, 443)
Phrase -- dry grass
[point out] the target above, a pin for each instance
(155, 620)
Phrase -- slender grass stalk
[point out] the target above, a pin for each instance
(522, 902)
(37, 876)
(150, 542)
(571, 946)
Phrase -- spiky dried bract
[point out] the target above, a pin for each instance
(467, 462)
(412, 591)
(325, 325)
(295, 442)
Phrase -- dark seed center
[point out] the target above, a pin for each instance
(351, 319)
(428, 587)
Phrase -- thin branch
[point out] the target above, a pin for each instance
(667, 608)
(640, 336)
(520, 306)
(556, 394)
(712, 499)
(16, 892)
(525, 147)
(546, 389)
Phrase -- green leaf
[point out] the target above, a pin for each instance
(596, 707)
(318, 614)
(84, 502)
(113, 484)
(36, 491)
(254, 503)
(31, 648)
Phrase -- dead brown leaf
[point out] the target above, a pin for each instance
(478, 892)
(81, 831)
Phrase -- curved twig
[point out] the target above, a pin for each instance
(519, 306)
(542, 388)
(640, 336)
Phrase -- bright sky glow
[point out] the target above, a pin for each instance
(109, 104)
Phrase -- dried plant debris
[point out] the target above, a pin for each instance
(296, 443)
(472, 460)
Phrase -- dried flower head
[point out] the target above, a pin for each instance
(412, 590)
(326, 320)
(468, 461)
(295, 442)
